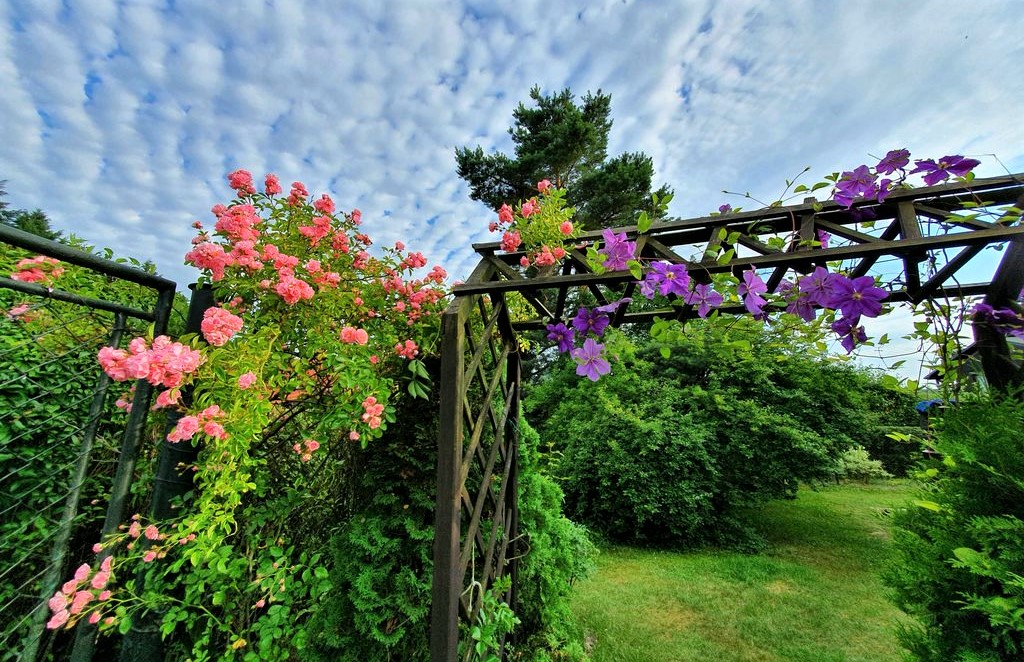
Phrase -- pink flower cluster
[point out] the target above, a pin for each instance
(241, 181)
(306, 448)
(545, 257)
(85, 588)
(355, 336)
(514, 227)
(38, 269)
(414, 295)
(372, 411)
(206, 421)
(237, 222)
(163, 364)
(408, 350)
(219, 325)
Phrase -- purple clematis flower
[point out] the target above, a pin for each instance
(940, 171)
(610, 308)
(1005, 320)
(895, 159)
(725, 209)
(618, 250)
(668, 279)
(590, 360)
(587, 321)
(823, 238)
(854, 184)
(704, 297)
(803, 308)
(819, 287)
(750, 290)
(562, 335)
(849, 329)
(883, 190)
(857, 297)
(648, 288)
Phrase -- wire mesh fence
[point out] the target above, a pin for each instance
(61, 425)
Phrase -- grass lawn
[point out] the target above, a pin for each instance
(814, 594)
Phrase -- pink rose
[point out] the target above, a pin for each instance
(246, 380)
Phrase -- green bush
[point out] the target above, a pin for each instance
(379, 606)
(667, 451)
(559, 553)
(856, 464)
(960, 558)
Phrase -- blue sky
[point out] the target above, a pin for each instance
(120, 119)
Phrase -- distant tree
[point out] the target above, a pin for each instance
(566, 143)
(34, 221)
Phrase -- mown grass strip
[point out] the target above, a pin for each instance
(814, 595)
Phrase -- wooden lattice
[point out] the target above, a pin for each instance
(477, 489)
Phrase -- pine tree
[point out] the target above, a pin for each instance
(566, 143)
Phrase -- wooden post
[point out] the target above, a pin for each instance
(447, 587)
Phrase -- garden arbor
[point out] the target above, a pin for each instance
(919, 240)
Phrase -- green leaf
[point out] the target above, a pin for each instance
(726, 257)
(643, 223)
(665, 352)
(800, 189)
(636, 269)
(732, 238)
(929, 505)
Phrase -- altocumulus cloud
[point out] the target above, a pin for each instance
(122, 118)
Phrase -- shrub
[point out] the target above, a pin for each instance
(660, 453)
(960, 563)
(856, 464)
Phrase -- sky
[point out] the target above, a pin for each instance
(121, 119)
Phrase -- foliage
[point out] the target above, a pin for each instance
(559, 553)
(855, 464)
(566, 142)
(669, 449)
(494, 621)
(960, 561)
(379, 608)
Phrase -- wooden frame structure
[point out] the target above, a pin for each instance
(920, 238)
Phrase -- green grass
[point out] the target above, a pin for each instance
(814, 594)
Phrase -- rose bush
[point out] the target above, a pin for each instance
(313, 339)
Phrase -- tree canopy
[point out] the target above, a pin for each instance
(567, 143)
(35, 221)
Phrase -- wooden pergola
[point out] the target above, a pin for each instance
(924, 237)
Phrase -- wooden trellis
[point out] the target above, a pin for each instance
(921, 238)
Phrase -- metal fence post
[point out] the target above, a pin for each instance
(143, 642)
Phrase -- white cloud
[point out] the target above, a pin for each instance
(122, 118)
